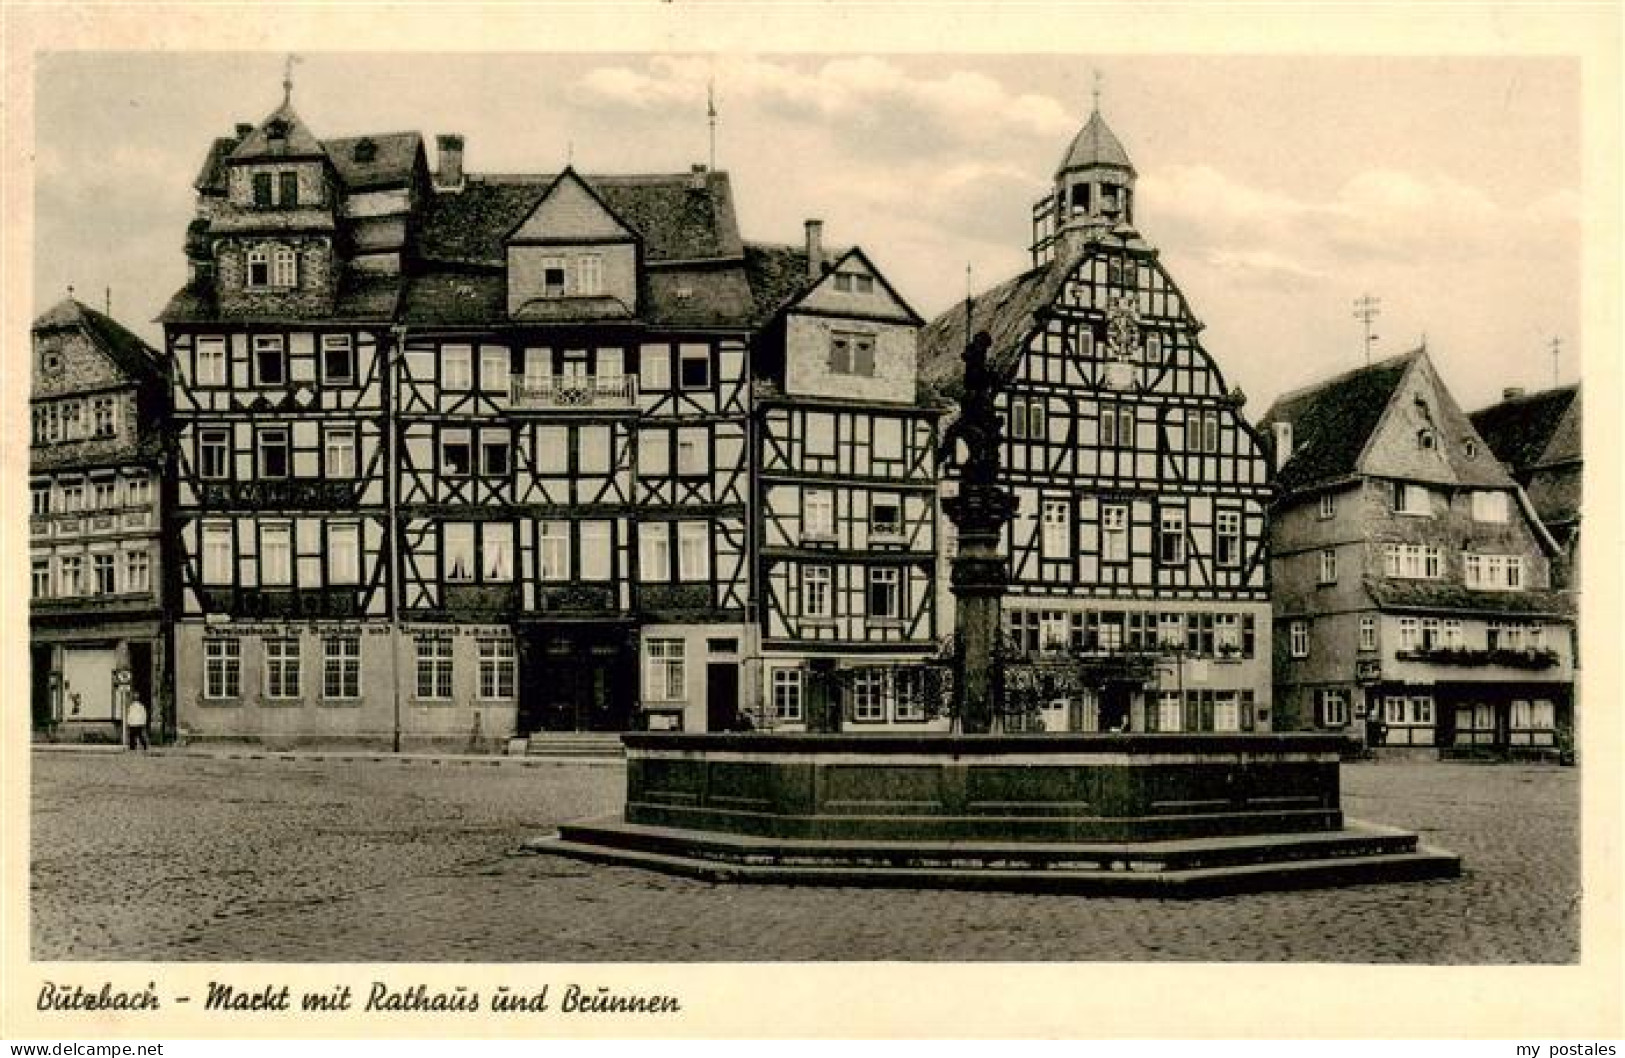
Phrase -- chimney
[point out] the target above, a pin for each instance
(1283, 443)
(815, 249)
(696, 177)
(449, 174)
(1512, 393)
(243, 131)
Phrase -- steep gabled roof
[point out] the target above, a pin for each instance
(779, 280)
(777, 276)
(675, 222)
(296, 141)
(212, 176)
(1333, 421)
(1354, 424)
(1533, 430)
(134, 357)
(1006, 313)
(388, 163)
(714, 295)
(542, 224)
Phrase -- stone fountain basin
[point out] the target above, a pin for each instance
(1110, 814)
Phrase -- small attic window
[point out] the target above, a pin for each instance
(276, 130)
(365, 150)
(854, 282)
(1426, 439)
(1471, 448)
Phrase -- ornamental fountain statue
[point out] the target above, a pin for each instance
(979, 513)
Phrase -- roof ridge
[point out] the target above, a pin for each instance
(374, 135)
(1324, 383)
(618, 178)
(1525, 398)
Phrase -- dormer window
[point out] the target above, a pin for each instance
(365, 150)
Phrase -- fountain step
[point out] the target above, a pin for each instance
(1189, 867)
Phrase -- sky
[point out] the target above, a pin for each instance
(1277, 189)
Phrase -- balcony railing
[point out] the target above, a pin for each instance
(575, 391)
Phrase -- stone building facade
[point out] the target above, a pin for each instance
(1413, 582)
(98, 564)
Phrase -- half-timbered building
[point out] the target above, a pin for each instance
(1413, 578)
(846, 502)
(467, 456)
(573, 463)
(97, 562)
(1139, 550)
(279, 347)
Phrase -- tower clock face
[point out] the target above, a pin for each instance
(1122, 329)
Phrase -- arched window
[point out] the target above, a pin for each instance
(259, 267)
(285, 272)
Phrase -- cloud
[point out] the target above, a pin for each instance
(1377, 216)
(856, 96)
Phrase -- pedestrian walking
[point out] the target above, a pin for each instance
(135, 723)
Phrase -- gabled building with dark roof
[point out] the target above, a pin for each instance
(98, 564)
(466, 456)
(1140, 545)
(1413, 581)
(846, 494)
(1538, 436)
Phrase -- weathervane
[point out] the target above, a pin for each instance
(711, 118)
(287, 78)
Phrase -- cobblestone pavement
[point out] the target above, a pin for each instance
(183, 858)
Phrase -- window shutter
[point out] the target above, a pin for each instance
(1246, 710)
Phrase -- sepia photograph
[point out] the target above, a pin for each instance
(670, 505)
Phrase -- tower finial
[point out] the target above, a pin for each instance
(1098, 80)
(287, 78)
